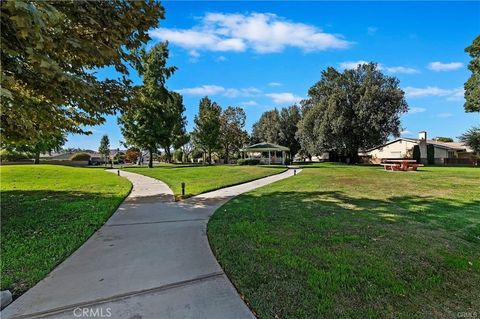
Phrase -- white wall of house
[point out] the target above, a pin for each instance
(441, 153)
(398, 149)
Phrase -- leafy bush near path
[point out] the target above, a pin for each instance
(248, 161)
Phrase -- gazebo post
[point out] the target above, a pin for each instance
(283, 157)
(269, 158)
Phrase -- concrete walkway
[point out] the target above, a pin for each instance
(151, 259)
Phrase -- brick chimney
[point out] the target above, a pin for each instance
(422, 135)
(422, 143)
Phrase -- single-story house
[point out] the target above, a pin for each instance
(444, 152)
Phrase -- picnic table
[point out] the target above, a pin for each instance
(401, 165)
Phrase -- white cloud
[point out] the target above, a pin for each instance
(451, 94)
(405, 132)
(284, 98)
(389, 69)
(439, 66)
(352, 64)
(372, 30)
(259, 32)
(202, 90)
(274, 84)
(251, 91)
(401, 69)
(221, 59)
(444, 114)
(248, 103)
(414, 110)
(217, 89)
(194, 53)
(458, 95)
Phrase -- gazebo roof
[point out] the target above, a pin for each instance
(264, 147)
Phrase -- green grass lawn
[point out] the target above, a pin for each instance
(47, 212)
(341, 241)
(201, 179)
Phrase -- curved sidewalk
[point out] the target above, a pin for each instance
(151, 259)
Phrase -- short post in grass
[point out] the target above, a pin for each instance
(183, 189)
(118, 172)
(294, 172)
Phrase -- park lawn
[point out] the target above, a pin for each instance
(47, 212)
(341, 241)
(201, 179)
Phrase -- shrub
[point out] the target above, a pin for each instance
(132, 155)
(248, 161)
(80, 157)
(416, 153)
(288, 161)
(430, 154)
(12, 156)
(178, 155)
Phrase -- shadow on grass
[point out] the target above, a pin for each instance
(41, 228)
(454, 215)
(356, 257)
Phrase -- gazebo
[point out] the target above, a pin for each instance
(256, 151)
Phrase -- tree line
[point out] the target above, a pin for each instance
(51, 49)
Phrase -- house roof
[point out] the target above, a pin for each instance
(445, 145)
(263, 147)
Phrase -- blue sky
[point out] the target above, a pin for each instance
(262, 55)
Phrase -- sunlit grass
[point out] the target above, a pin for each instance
(341, 241)
(47, 212)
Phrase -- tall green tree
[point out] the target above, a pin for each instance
(104, 148)
(150, 123)
(177, 122)
(472, 139)
(185, 144)
(472, 86)
(353, 110)
(232, 132)
(207, 127)
(309, 144)
(289, 119)
(267, 129)
(48, 52)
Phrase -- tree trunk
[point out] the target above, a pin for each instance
(150, 160)
(227, 156)
(37, 158)
(168, 155)
(353, 157)
(209, 156)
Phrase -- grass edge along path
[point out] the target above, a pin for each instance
(48, 212)
(205, 178)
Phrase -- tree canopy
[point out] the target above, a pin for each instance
(472, 139)
(289, 119)
(351, 110)
(50, 51)
(104, 148)
(149, 125)
(207, 126)
(472, 86)
(232, 133)
(267, 128)
(443, 139)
